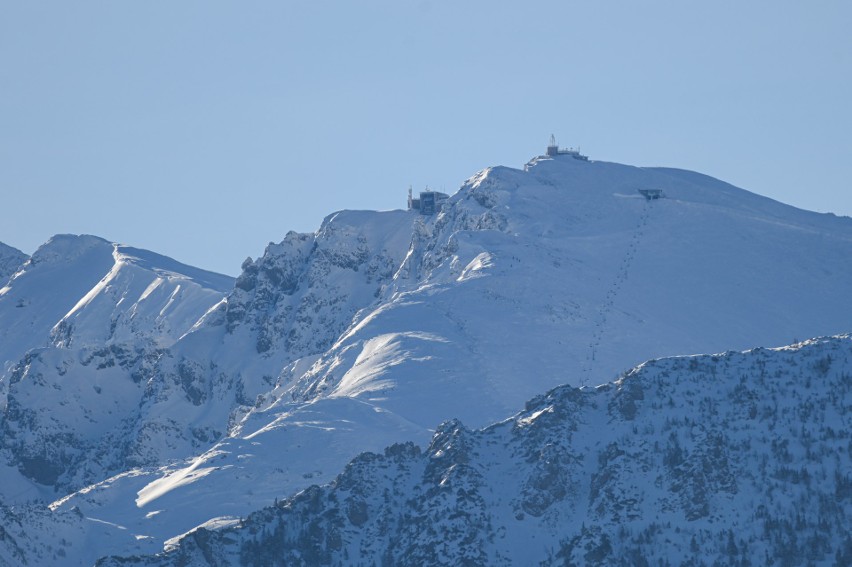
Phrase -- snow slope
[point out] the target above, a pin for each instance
(45, 289)
(739, 458)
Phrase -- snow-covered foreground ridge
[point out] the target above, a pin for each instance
(731, 459)
(142, 398)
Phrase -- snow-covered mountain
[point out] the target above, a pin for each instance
(378, 327)
(563, 272)
(86, 291)
(728, 459)
(74, 319)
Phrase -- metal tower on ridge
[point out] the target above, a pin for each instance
(553, 147)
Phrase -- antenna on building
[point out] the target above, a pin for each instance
(553, 148)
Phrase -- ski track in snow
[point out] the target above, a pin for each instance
(612, 293)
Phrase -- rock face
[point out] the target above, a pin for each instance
(134, 388)
(303, 293)
(739, 458)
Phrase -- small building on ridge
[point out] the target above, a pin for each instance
(651, 194)
(428, 203)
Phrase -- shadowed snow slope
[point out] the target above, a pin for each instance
(382, 324)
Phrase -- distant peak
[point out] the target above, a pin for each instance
(65, 247)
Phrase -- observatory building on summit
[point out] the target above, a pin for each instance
(554, 150)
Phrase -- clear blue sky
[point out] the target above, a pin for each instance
(205, 129)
